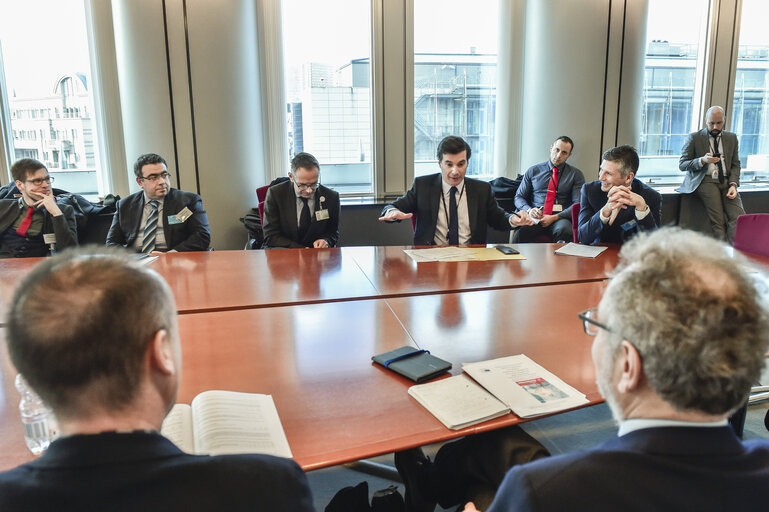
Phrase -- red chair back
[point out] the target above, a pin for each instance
(261, 193)
(752, 234)
(261, 212)
(575, 222)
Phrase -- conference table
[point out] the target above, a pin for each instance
(302, 325)
(225, 280)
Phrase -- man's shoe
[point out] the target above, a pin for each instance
(410, 464)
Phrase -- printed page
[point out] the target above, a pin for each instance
(584, 251)
(231, 422)
(442, 254)
(524, 386)
(458, 402)
(177, 426)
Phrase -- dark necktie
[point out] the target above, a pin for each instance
(717, 153)
(453, 218)
(150, 228)
(24, 226)
(552, 185)
(304, 219)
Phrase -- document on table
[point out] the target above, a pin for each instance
(524, 386)
(458, 401)
(584, 251)
(509, 383)
(460, 254)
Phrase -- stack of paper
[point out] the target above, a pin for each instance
(584, 251)
(509, 383)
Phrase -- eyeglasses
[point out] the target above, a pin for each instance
(306, 186)
(39, 181)
(590, 324)
(154, 177)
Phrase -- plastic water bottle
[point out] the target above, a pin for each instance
(40, 427)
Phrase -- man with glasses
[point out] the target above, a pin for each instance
(159, 218)
(301, 212)
(711, 160)
(680, 337)
(34, 224)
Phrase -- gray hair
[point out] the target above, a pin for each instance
(693, 314)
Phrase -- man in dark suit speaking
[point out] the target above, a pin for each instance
(301, 212)
(450, 208)
(159, 218)
(680, 337)
(96, 336)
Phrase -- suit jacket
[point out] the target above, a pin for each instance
(660, 469)
(592, 231)
(280, 218)
(63, 226)
(191, 235)
(698, 144)
(145, 471)
(424, 198)
(533, 189)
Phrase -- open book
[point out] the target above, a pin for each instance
(224, 422)
(509, 383)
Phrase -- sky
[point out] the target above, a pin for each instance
(42, 40)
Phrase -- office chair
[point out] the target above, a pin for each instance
(575, 222)
(752, 234)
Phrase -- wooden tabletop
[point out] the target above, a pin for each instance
(337, 406)
(394, 273)
(227, 280)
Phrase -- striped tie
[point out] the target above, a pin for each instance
(150, 228)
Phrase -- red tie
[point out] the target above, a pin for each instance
(24, 226)
(550, 198)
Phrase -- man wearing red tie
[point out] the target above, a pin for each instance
(547, 192)
(34, 224)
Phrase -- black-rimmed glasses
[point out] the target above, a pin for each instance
(154, 177)
(589, 322)
(39, 181)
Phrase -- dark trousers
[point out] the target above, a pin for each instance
(472, 468)
(559, 230)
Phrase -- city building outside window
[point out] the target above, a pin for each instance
(455, 77)
(749, 116)
(674, 60)
(327, 74)
(45, 60)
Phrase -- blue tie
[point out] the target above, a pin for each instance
(150, 228)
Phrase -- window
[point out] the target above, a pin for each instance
(674, 60)
(749, 116)
(327, 70)
(455, 77)
(46, 63)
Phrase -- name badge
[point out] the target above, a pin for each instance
(321, 215)
(629, 225)
(184, 214)
(49, 238)
(557, 208)
(715, 174)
